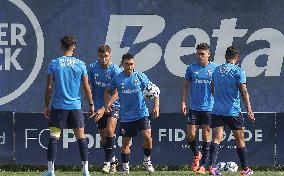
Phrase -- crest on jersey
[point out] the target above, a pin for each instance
(224, 70)
(209, 72)
(96, 75)
(136, 82)
(115, 113)
(108, 76)
(122, 131)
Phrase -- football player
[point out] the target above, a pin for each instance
(67, 73)
(100, 74)
(133, 110)
(229, 82)
(197, 84)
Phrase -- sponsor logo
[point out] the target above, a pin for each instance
(13, 43)
(154, 25)
(34, 136)
(179, 135)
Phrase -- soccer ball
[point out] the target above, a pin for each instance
(151, 91)
(221, 166)
(231, 167)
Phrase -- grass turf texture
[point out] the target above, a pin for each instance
(138, 173)
(28, 170)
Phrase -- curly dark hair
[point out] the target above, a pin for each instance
(67, 41)
(203, 46)
(232, 52)
(103, 49)
(126, 56)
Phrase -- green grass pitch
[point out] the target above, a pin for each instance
(140, 173)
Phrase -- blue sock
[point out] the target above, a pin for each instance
(214, 149)
(52, 149)
(193, 147)
(125, 157)
(242, 153)
(205, 153)
(83, 148)
(109, 148)
(147, 152)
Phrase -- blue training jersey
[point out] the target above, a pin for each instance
(227, 79)
(201, 98)
(100, 78)
(130, 90)
(67, 74)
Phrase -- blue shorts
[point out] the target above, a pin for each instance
(130, 129)
(62, 118)
(102, 123)
(199, 118)
(233, 122)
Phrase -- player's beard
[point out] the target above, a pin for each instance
(129, 71)
(104, 62)
(202, 62)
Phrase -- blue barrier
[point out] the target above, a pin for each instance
(6, 137)
(169, 142)
(279, 142)
(163, 48)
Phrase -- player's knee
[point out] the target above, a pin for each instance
(79, 133)
(125, 147)
(125, 150)
(206, 135)
(206, 138)
(103, 140)
(55, 132)
(110, 131)
(190, 138)
(148, 140)
(240, 142)
(126, 143)
(217, 140)
(206, 129)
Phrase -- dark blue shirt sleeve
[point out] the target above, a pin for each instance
(187, 75)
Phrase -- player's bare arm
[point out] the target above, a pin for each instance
(84, 95)
(245, 97)
(184, 94)
(110, 100)
(48, 93)
(88, 94)
(156, 108)
(106, 100)
(99, 113)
